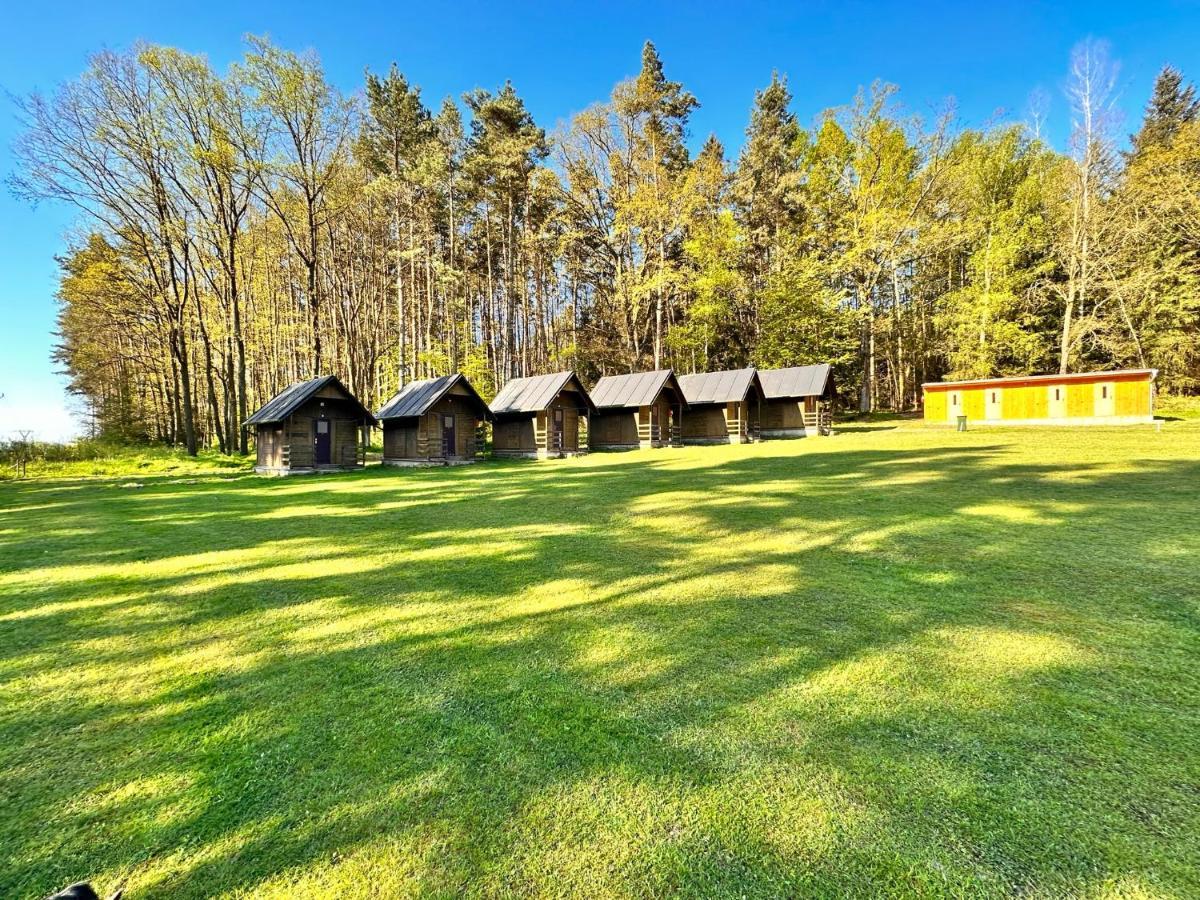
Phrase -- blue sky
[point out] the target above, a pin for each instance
(561, 57)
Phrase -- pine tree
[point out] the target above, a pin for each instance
(504, 149)
(1171, 106)
(766, 187)
(654, 114)
(710, 335)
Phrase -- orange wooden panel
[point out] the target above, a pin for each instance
(1080, 404)
(1133, 398)
(973, 403)
(1039, 403)
(1014, 403)
(935, 406)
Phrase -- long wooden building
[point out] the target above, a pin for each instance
(722, 407)
(799, 401)
(541, 416)
(1119, 397)
(433, 422)
(644, 409)
(311, 426)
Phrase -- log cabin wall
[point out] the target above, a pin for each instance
(614, 429)
(514, 436)
(574, 426)
(300, 430)
(400, 439)
(785, 417)
(530, 434)
(705, 425)
(286, 428)
(299, 441)
(721, 423)
(420, 437)
(797, 417)
(269, 446)
(629, 429)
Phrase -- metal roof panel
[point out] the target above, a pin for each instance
(535, 392)
(730, 386)
(294, 396)
(796, 381)
(417, 397)
(629, 391)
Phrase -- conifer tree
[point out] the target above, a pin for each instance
(1172, 105)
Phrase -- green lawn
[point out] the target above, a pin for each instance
(897, 661)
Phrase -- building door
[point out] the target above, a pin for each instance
(557, 430)
(448, 440)
(993, 407)
(322, 443)
(1057, 396)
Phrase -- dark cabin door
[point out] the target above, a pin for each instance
(322, 443)
(558, 429)
(448, 436)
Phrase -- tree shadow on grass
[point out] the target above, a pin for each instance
(830, 674)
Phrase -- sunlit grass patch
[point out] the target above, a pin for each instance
(903, 662)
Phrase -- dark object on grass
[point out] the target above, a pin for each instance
(962, 423)
(82, 891)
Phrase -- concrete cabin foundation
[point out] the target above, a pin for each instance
(279, 471)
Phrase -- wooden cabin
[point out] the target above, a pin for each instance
(541, 416)
(799, 401)
(640, 410)
(433, 422)
(1121, 397)
(312, 426)
(722, 407)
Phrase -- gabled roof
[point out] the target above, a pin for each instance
(632, 391)
(797, 381)
(526, 395)
(293, 397)
(719, 387)
(417, 397)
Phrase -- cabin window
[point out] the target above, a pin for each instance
(1104, 392)
(993, 396)
(954, 399)
(1058, 393)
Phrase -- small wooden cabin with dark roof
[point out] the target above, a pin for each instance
(315, 425)
(541, 416)
(433, 422)
(799, 401)
(722, 407)
(639, 410)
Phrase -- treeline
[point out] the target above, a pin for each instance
(249, 228)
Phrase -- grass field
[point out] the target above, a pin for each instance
(897, 661)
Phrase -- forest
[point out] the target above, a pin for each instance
(240, 230)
